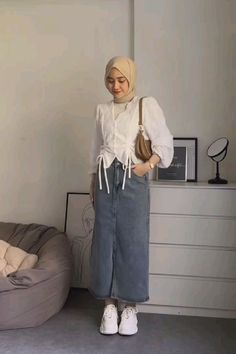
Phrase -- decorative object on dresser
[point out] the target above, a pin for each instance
(217, 152)
(178, 169)
(79, 220)
(191, 145)
(192, 249)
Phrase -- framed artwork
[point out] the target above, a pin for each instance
(177, 171)
(79, 221)
(192, 156)
(191, 146)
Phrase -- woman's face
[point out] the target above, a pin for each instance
(117, 84)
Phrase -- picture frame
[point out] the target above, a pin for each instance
(177, 171)
(191, 143)
(79, 222)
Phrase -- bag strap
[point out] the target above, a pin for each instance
(140, 111)
(140, 123)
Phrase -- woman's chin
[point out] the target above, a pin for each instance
(118, 95)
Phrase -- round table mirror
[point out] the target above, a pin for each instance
(217, 152)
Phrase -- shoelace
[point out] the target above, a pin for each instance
(109, 311)
(128, 311)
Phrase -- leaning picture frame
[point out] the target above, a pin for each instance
(79, 222)
(191, 144)
(177, 171)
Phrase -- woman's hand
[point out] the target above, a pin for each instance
(141, 168)
(92, 188)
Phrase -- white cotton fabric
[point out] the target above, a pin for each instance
(14, 258)
(119, 108)
(114, 137)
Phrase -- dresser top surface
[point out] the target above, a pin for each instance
(188, 185)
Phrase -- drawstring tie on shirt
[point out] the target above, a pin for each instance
(125, 167)
(100, 160)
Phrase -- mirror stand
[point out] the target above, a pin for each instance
(217, 152)
(217, 179)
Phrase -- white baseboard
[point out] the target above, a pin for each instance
(186, 311)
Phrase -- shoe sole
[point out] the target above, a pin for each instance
(108, 333)
(128, 334)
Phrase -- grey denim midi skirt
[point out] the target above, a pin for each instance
(120, 246)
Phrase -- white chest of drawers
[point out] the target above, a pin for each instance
(192, 249)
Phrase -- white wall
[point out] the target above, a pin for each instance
(52, 58)
(186, 56)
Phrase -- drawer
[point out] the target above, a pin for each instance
(192, 261)
(192, 230)
(193, 201)
(187, 292)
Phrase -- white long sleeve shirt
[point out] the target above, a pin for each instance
(114, 137)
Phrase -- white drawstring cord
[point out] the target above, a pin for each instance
(124, 178)
(130, 161)
(100, 159)
(127, 165)
(107, 184)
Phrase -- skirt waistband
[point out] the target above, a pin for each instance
(116, 163)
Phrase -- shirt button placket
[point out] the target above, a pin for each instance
(115, 144)
(115, 151)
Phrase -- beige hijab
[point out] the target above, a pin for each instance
(127, 68)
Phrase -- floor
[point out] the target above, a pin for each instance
(74, 330)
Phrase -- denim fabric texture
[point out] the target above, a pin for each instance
(120, 247)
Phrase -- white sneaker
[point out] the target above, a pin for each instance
(109, 320)
(129, 322)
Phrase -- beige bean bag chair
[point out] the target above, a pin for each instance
(35, 274)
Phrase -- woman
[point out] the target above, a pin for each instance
(120, 192)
